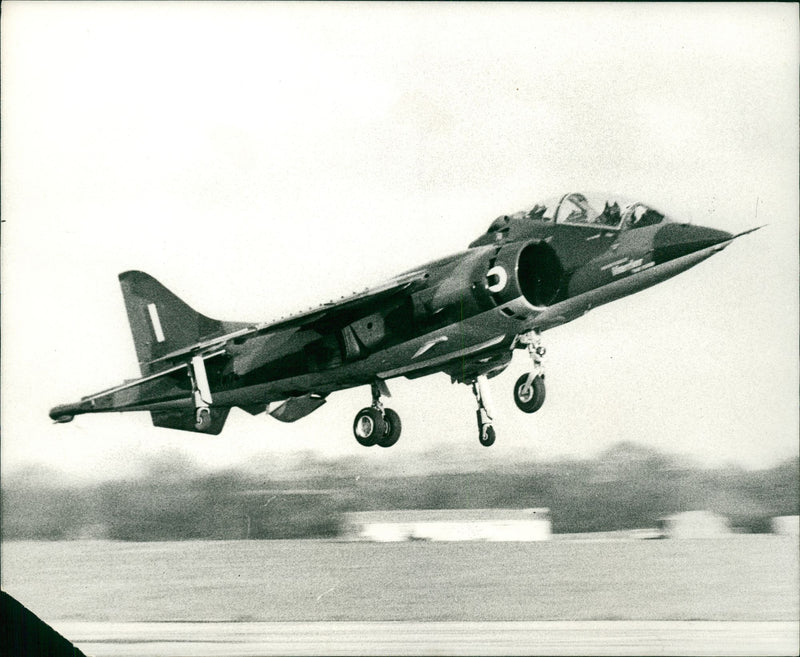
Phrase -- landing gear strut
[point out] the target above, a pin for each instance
(480, 388)
(529, 390)
(201, 394)
(376, 425)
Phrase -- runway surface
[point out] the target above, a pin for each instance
(442, 638)
(739, 578)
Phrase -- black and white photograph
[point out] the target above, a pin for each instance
(400, 328)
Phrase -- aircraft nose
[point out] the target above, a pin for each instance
(676, 240)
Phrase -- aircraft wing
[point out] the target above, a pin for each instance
(272, 335)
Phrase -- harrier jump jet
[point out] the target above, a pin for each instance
(463, 315)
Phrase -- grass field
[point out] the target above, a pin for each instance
(744, 578)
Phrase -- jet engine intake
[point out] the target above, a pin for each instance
(528, 269)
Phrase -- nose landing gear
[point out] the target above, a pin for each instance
(529, 394)
(376, 425)
(529, 390)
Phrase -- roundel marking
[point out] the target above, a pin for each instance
(496, 279)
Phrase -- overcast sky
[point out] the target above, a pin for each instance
(261, 158)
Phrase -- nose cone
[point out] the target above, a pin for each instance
(677, 240)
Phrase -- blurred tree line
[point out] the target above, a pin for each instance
(626, 487)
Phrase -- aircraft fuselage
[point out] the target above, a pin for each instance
(462, 315)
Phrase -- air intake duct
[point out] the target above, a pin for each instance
(528, 269)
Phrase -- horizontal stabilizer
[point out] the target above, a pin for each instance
(184, 420)
(166, 388)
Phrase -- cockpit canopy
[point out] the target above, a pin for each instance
(579, 209)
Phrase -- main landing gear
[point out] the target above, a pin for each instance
(376, 425)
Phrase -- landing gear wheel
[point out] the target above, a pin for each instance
(202, 419)
(368, 426)
(392, 430)
(485, 429)
(487, 436)
(529, 398)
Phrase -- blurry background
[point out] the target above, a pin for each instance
(625, 488)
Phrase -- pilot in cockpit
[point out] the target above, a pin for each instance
(610, 216)
(642, 216)
(537, 212)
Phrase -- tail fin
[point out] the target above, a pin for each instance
(160, 322)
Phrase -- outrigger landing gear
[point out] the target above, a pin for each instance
(201, 394)
(202, 420)
(480, 388)
(376, 425)
(529, 390)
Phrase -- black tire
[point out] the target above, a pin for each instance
(368, 426)
(487, 435)
(533, 401)
(393, 427)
